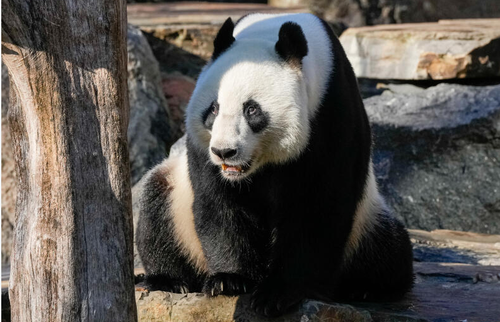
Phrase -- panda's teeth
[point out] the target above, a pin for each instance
(231, 168)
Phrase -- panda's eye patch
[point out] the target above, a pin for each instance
(209, 115)
(257, 119)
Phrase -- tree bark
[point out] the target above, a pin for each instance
(72, 251)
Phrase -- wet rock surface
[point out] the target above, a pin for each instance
(437, 156)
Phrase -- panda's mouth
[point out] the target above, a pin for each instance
(234, 170)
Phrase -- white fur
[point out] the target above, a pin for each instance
(181, 198)
(251, 69)
(367, 212)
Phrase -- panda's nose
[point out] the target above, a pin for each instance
(224, 153)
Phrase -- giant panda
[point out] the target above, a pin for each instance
(272, 191)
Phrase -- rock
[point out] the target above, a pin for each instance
(443, 50)
(288, 3)
(437, 156)
(151, 131)
(349, 12)
(164, 306)
(444, 291)
(9, 178)
(455, 247)
(178, 88)
(183, 49)
(357, 13)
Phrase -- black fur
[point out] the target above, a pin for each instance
(166, 267)
(292, 44)
(257, 119)
(285, 231)
(224, 38)
(208, 117)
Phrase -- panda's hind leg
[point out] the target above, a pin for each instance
(167, 264)
(381, 268)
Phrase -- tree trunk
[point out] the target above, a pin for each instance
(72, 254)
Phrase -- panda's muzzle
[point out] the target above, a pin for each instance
(230, 165)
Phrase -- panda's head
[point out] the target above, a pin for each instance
(250, 104)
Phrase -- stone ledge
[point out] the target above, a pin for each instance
(448, 49)
(452, 291)
(443, 292)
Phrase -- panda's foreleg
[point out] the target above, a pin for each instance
(166, 265)
(306, 261)
(234, 245)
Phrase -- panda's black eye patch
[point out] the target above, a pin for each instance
(257, 119)
(210, 114)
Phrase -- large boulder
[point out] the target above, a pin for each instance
(151, 131)
(448, 49)
(437, 156)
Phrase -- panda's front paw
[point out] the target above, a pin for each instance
(227, 284)
(273, 298)
(163, 283)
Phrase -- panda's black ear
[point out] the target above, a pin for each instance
(292, 44)
(224, 38)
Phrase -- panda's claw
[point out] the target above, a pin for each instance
(226, 284)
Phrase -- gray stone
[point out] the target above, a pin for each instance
(150, 131)
(437, 156)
